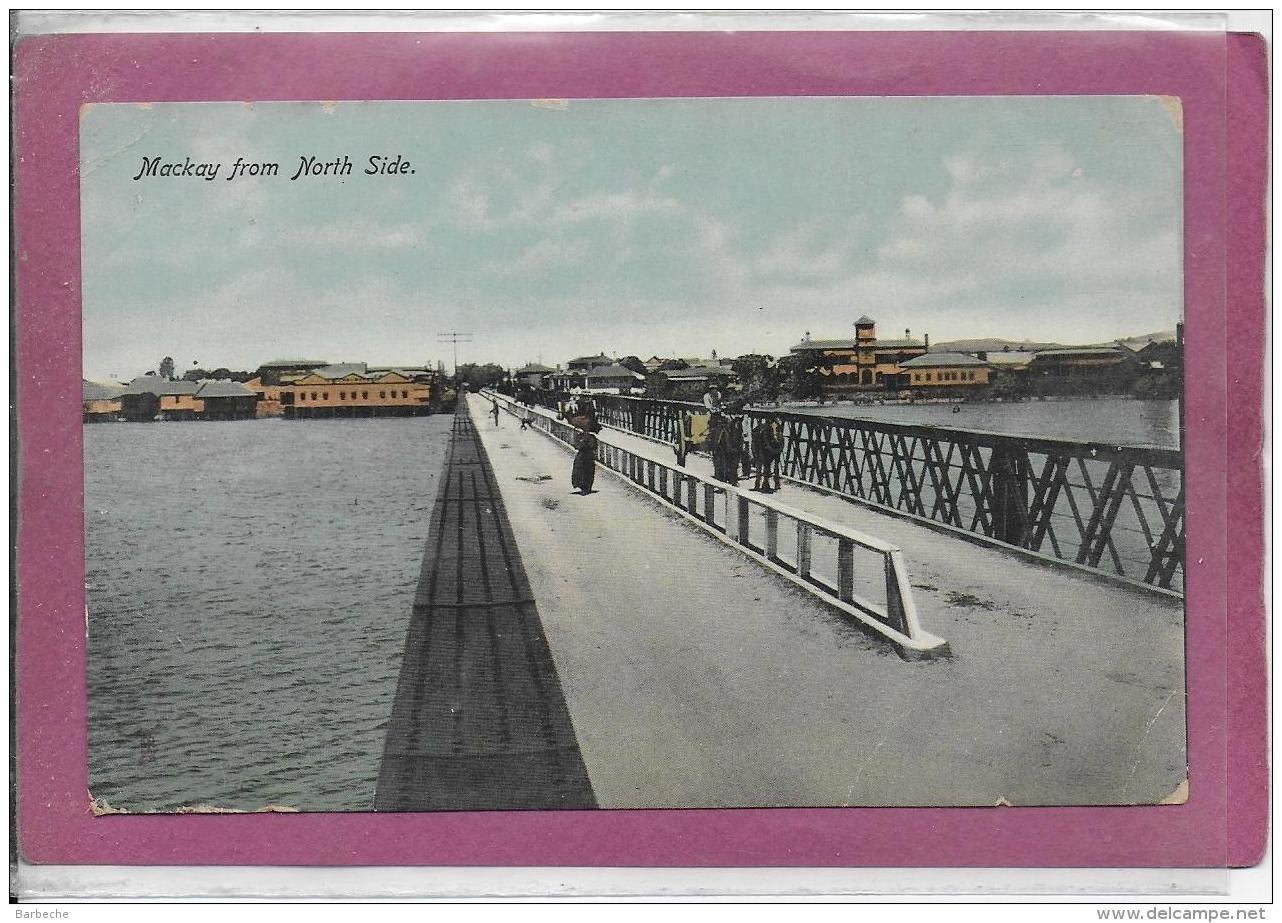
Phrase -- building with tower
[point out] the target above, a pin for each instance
(860, 363)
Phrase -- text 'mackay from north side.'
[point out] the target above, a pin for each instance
(308, 167)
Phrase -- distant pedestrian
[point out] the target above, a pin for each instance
(584, 472)
(767, 447)
(526, 419)
(494, 410)
(724, 444)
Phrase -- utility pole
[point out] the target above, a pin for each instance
(454, 338)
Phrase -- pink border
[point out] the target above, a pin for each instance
(55, 74)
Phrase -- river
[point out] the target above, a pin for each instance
(249, 587)
(1119, 421)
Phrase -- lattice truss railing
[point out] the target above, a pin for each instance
(1119, 509)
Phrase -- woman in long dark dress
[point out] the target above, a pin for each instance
(584, 472)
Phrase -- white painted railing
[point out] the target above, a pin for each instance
(856, 573)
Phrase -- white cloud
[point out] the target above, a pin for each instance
(1023, 225)
(549, 253)
(360, 234)
(613, 207)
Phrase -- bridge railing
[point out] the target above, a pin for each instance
(1113, 509)
(860, 574)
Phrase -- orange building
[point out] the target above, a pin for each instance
(859, 363)
(935, 371)
(269, 397)
(100, 401)
(353, 390)
(151, 397)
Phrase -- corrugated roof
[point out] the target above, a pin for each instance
(1083, 351)
(612, 371)
(931, 360)
(154, 384)
(847, 343)
(401, 369)
(223, 389)
(100, 390)
(698, 372)
(340, 370)
(851, 343)
(294, 363)
(1009, 357)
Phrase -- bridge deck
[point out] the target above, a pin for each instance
(697, 679)
(479, 721)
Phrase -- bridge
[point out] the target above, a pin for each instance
(687, 644)
(1116, 510)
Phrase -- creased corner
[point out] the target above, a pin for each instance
(101, 807)
(214, 809)
(1175, 109)
(1180, 795)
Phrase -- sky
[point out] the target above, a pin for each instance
(549, 230)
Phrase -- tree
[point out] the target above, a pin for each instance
(480, 376)
(804, 372)
(633, 364)
(196, 374)
(167, 368)
(759, 376)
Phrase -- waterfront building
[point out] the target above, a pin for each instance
(859, 363)
(272, 379)
(934, 372)
(278, 371)
(890, 355)
(1083, 369)
(225, 400)
(353, 390)
(269, 395)
(100, 401)
(1166, 355)
(1008, 368)
(150, 397)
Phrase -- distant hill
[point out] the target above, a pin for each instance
(996, 344)
(988, 344)
(1136, 342)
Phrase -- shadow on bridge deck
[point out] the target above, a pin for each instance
(479, 721)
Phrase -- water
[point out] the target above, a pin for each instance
(1118, 421)
(249, 588)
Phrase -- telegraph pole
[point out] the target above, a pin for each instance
(455, 338)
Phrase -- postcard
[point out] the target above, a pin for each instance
(261, 631)
(552, 456)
